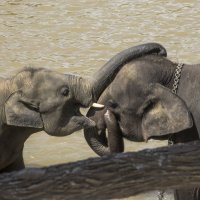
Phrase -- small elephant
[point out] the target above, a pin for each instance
(40, 99)
(151, 97)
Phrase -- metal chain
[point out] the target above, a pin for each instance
(177, 77)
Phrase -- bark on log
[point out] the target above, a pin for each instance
(114, 176)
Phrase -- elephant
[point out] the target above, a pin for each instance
(151, 97)
(38, 99)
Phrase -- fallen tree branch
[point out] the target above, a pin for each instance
(114, 176)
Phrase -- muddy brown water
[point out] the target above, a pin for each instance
(79, 37)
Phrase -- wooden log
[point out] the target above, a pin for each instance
(114, 176)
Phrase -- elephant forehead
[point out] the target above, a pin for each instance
(129, 71)
(50, 81)
(127, 91)
(50, 76)
(130, 78)
(128, 101)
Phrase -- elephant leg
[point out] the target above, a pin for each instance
(115, 140)
(18, 164)
(187, 194)
(193, 193)
(196, 194)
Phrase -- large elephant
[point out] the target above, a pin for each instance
(40, 99)
(151, 97)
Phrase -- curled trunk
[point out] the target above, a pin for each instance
(97, 139)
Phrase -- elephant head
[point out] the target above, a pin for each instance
(141, 106)
(44, 99)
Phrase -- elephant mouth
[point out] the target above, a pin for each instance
(75, 124)
(83, 122)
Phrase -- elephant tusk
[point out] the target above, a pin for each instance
(97, 105)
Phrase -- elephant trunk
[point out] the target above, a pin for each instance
(91, 89)
(97, 140)
(105, 75)
(81, 89)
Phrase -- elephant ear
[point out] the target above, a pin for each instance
(23, 112)
(164, 113)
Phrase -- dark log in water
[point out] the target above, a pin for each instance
(115, 176)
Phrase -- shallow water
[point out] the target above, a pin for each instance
(79, 37)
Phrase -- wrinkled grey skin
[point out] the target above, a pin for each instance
(40, 99)
(144, 107)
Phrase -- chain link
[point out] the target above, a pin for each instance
(177, 77)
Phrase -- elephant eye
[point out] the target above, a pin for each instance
(111, 104)
(148, 106)
(64, 91)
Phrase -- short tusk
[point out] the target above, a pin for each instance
(97, 105)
